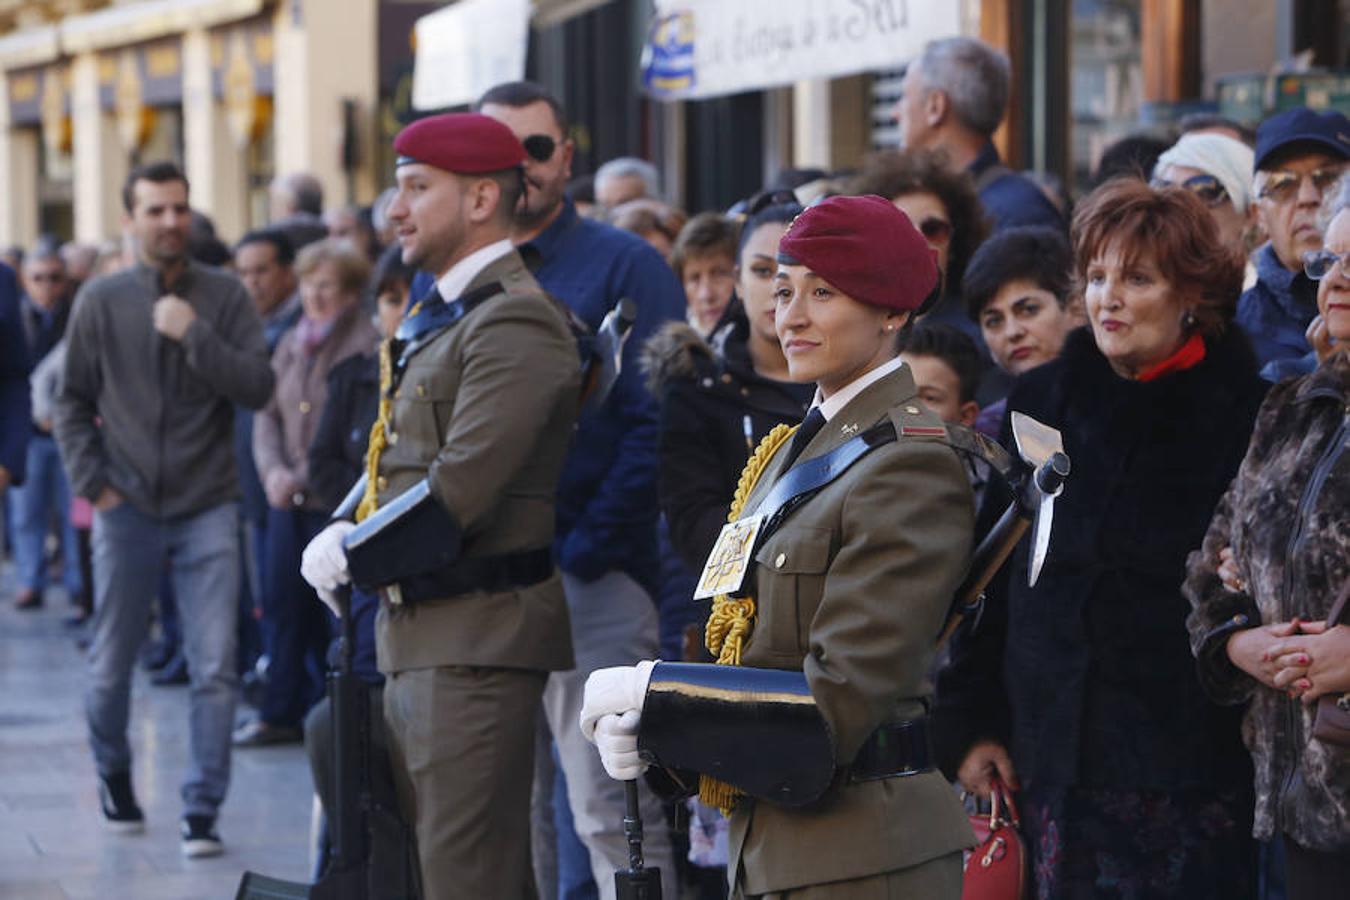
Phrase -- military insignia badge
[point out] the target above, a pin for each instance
(724, 572)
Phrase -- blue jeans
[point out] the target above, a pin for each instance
(201, 551)
(44, 495)
(295, 619)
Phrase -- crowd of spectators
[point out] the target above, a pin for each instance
(1147, 323)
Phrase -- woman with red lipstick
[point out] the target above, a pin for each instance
(812, 729)
(1264, 641)
(1082, 688)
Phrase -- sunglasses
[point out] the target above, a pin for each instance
(1317, 264)
(935, 230)
(1208, 188)
(540, 147)
(1284, 186)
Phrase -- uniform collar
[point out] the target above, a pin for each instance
(454, 282)
(840, 398)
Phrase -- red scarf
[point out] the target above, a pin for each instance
(1189, 355)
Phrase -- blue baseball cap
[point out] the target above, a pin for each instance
(1328, 130)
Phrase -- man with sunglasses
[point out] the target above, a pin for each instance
(1300, 154)
(607, 499)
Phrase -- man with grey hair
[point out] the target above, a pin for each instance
(626, 178)
(296, 204)
(952, 99)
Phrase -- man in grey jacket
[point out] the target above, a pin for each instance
(156, 356)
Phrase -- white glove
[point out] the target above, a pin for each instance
(616, 739)
(615, 690)
(324, 562)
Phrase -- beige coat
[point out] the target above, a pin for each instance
(852, 590)
(284, 429)
(486, 412)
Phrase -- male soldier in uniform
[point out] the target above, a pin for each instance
(480, 394)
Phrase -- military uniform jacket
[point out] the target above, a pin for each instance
(485, 412)
(853, 589)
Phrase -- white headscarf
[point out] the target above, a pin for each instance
(1226, 159)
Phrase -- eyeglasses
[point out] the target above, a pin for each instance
(1208, 188)
(540, 147)
(935, 230)
(1317, 264)
(1284, 186)
(764, 199)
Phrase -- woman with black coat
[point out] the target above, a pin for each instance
(1083, 688)
(720, 397)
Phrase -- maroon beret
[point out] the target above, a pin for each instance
(866, 248)
(467, 143)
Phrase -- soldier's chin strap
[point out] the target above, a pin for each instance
(698, 717)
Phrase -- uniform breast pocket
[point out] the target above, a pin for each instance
(791, 570)
(427, 397)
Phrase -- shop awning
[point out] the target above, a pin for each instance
(707, 48)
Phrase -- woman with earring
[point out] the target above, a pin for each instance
(845, 541)
(1082, 688)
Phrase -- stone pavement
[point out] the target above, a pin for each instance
(52, 843)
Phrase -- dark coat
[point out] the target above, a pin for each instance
(337, 457)
(707, 392)
(1285, 518)
(1088, 677)
(15, 411)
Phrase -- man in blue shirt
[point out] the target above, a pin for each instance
(952, 99)
(1300, 154)
(607, 500)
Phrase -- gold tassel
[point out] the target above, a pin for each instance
(733, 618)
(378, 432)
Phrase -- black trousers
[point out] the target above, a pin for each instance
(1314, 875)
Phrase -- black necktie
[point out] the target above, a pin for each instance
(811, 425)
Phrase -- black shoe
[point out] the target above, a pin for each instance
(200, 837)
(120, 811)
(157, 655)
(28, 599)
(174, 672)
(257, 733)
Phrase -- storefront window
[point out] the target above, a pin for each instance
(1107, 79)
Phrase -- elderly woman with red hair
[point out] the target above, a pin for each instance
(1082, 687)
(846, 539)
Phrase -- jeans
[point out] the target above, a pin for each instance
(44, 495)
(575, 881)
(614, 623)
(297, 621)
(201, 551)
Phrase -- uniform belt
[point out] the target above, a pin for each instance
(895, 749)
(482, 573)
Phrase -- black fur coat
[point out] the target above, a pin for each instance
(1088, 677)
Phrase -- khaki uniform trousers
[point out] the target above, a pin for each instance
(461, 740)
(937, 879)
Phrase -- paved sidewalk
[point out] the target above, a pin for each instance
(52, 843)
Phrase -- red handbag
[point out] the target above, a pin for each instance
(997, 868)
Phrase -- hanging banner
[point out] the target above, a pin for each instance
(707, 48)
(466, 48)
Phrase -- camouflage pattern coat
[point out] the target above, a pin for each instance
(1285, 518)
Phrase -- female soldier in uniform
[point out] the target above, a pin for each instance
(851, 538)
